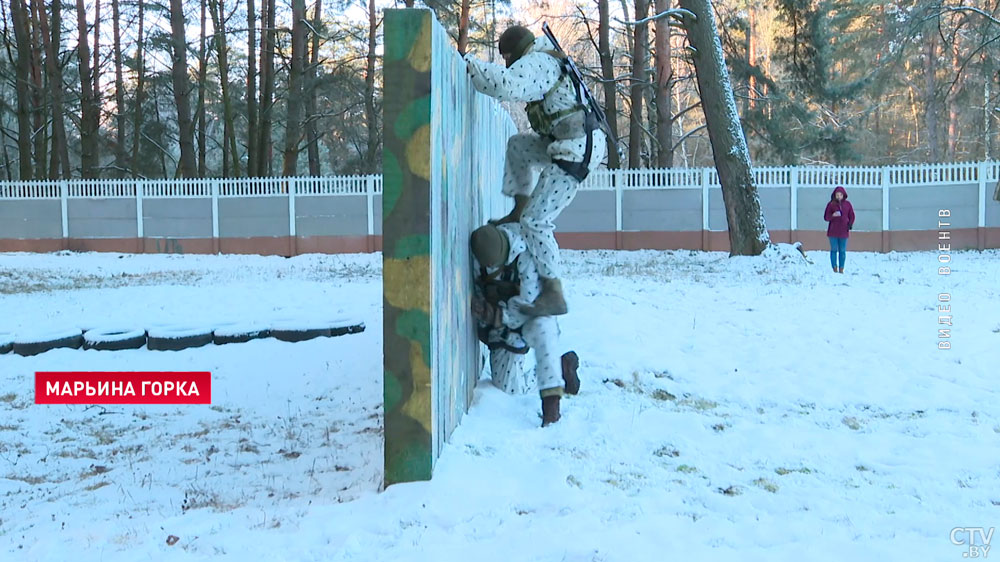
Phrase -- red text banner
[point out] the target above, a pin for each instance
(123, 387)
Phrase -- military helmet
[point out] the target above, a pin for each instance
(515, 40)
(490, 246)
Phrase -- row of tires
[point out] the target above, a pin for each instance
(172, 337)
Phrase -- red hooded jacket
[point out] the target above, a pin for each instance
(839, 227)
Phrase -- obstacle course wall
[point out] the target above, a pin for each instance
(443, 162)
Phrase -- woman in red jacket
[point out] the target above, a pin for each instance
(840, 214)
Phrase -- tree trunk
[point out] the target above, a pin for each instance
(38, 95)
(312, 134)
(987, 106)
(252, 133)
(89, 110)
(930, 86)
(140, 48)
(293, 126)
(266, 88)
(664, 85)
(182, 90)
(96, 74)
(202, 86)
(159, 126)
(608, 81)
(747, 232)
(751, 54)
(463, 27)
(121, 118)
(953, 110)
(371, 115)
(639, 46)
(22, 73)
(51, 40)
(230, 152)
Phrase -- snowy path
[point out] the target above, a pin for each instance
(730, 410)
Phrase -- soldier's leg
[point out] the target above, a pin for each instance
(554, 192)
(526, 152)
(507, 372)
(542, 334)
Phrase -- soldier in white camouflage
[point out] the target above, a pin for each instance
(509, 282)
(565, 145)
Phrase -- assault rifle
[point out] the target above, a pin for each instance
(577, 78)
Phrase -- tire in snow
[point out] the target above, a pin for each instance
(236, 332)
(177, 337)
(113, 339)
(299, 330)
(6, 342)
(40, 342)
(345, 326)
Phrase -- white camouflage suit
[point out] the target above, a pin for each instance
(530, 79)
(541, 333)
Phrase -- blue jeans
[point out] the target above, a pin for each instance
(838, 247)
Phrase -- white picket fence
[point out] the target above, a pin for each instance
(214, 189)
(704, 179)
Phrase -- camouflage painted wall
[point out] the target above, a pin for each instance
(443, 150)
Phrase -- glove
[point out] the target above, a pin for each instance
(486, 313)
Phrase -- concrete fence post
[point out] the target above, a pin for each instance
(704, 209)
(292, 242)
(886, 235)
(64, 206)
(370, 195)
(793, 190)
(138, 210)
(981, 224)
(215, 215)
(616, 182)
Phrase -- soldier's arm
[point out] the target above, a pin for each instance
(526, 80)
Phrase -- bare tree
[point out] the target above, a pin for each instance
(89, 108)
(230, 152)
(747, 233)
(202, 87)
(312, 134)
(51, 40)
(266, 89)
(252, 132)
(182, 90)
(38, 95)
(463, 27)
(640, 45)
(22, 73)
(931, 109)
(293, 123)
(608, 81)
(140, 50)
(371, 115)
(120, 114)
(664, 93)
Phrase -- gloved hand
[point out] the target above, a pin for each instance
(486, 313)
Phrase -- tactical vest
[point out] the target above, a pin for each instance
(570, 123)
(497, 288)
(556, 124)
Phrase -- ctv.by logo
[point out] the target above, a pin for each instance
(966, 536)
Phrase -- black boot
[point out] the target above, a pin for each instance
(570, 363)
(550, 410)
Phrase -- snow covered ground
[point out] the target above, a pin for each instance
(731, 409)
